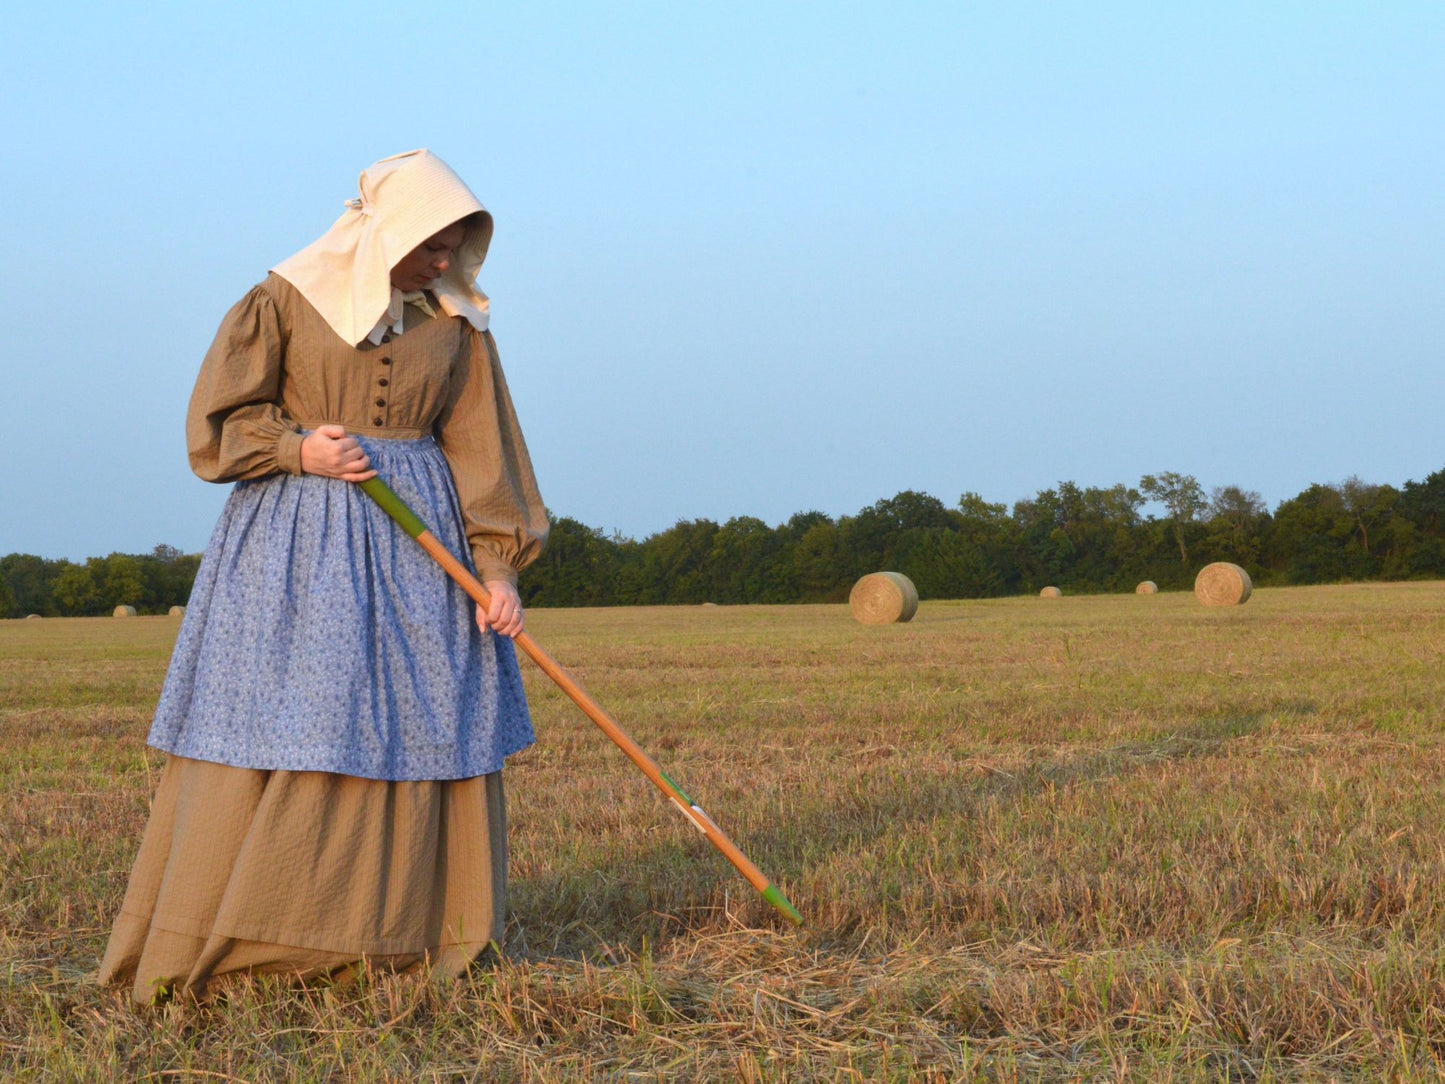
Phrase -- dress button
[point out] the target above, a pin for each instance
(383, 382)
(380, 401)
(386, 361)
(378, 421)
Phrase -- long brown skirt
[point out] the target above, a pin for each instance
(242, 870)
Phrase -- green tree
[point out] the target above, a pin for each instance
(169, 576)
(872, 536)
(1236, 518)
(1046, 552)
(630, 580)
(991, 531)
(674, 563)
(1183, 496)
(1104, 524)
(121, 582)
(577, 567)
(979, 515)
(1309, 537)
(944, 563)
(31, 580)
(1370, 505)
(1422, 506)
(800, 522)
(822, 568)
(1423, 503)
(1077, 537)
(77, 589)
(743, 563)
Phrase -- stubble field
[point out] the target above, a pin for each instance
(1092, 838)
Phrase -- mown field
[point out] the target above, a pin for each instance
(1115, 838)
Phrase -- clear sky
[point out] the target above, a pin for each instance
(755, 258)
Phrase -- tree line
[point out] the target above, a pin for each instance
(1081, 539)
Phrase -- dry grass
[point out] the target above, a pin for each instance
(1033, 843)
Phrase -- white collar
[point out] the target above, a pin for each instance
(395, 319)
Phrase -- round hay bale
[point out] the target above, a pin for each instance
(124, 611)
(883, 598)
(1051, 592)
(1147, 587)
(1222, 584)
(32, 617)
(177, 611)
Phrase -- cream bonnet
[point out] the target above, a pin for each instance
(346, 273)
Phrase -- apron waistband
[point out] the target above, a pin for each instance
(382, 431)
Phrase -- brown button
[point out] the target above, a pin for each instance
(380, 401)
(378, 421)
(386, 361)
(383, 382)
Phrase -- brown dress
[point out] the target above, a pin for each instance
(244, 870)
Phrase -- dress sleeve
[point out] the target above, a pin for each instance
(477, 430)
(235, 427)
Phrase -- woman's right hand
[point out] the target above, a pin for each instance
(329, 452)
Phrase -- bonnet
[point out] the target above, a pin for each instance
(346, 273)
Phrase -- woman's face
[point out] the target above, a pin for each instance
(420, 267)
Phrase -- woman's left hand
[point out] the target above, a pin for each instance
(504, 615)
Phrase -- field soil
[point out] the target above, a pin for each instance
(1107, 837)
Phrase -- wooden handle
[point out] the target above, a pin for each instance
(569, 685)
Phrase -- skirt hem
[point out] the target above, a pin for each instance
(307, 873)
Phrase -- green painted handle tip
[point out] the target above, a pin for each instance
(393, 506)
(778, 900)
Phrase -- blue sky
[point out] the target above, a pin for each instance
(755, 259)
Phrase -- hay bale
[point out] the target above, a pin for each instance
(32, 617)
(177, 611)
(1147, 587)
(883, 598)
(1222, 584)
(1051, 592)
(124, 611)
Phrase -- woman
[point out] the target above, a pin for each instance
(335, 719)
